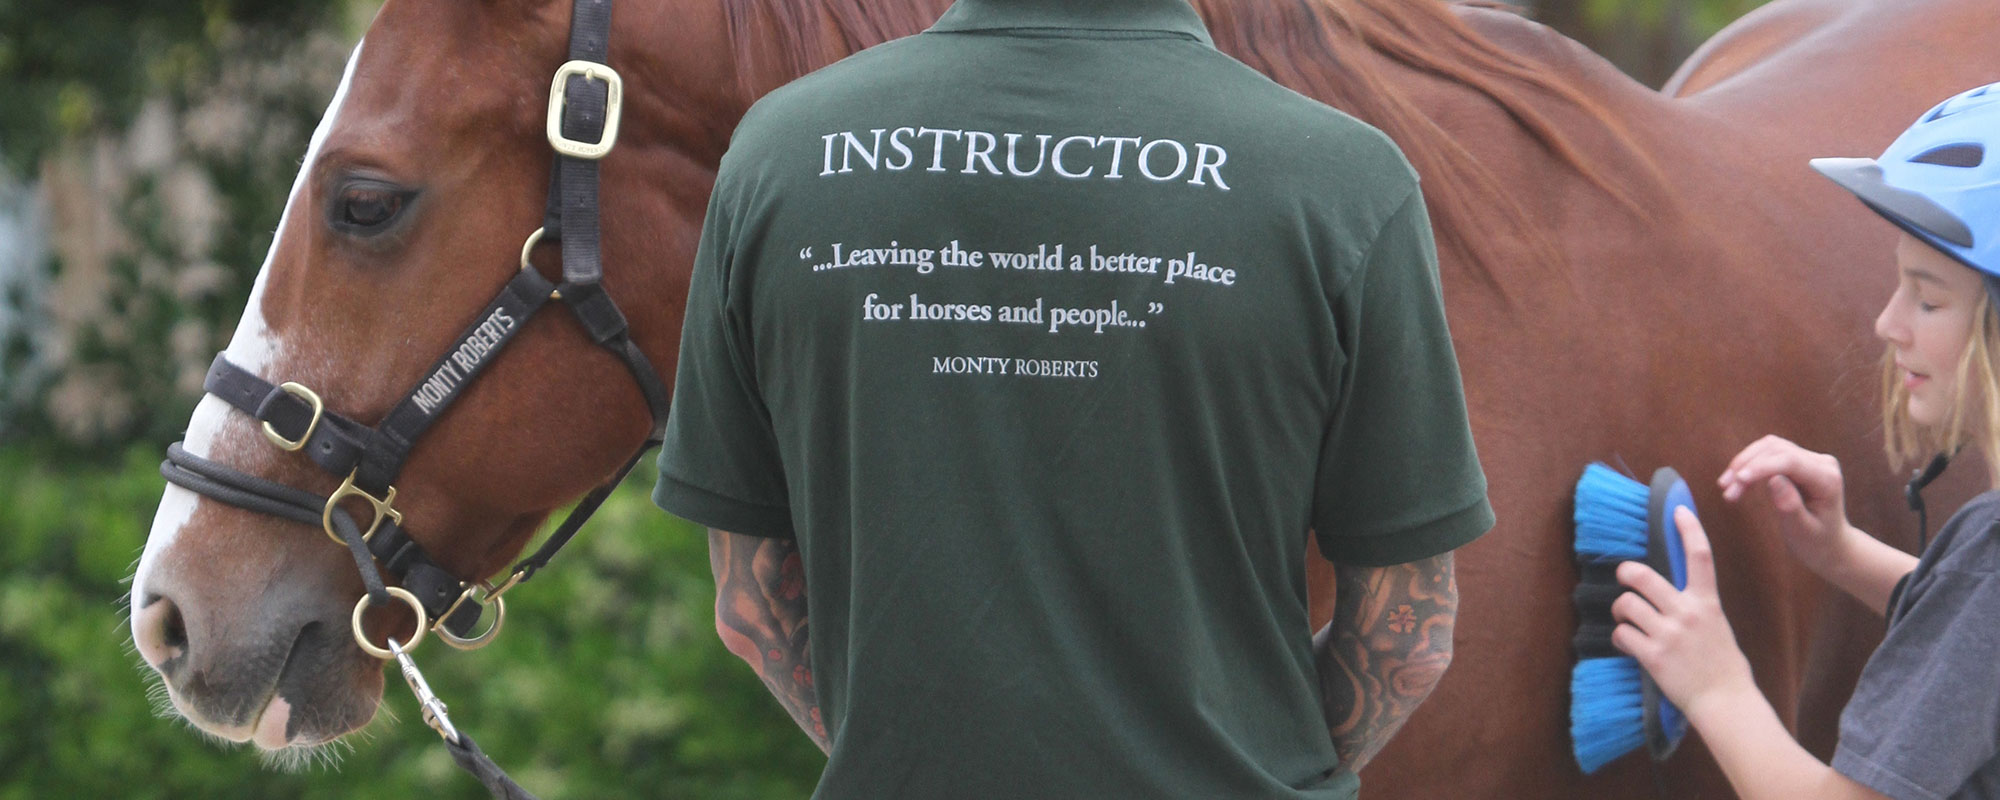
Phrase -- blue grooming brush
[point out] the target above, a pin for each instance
(1614, 705)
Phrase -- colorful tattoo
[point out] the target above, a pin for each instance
(1386, 647)
(760, 611)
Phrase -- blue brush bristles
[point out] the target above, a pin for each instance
(1610, 516)
(1606, 717)
(1608, 691)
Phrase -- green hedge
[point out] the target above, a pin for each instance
(608, 681)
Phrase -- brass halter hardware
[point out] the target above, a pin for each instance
(384, 507)
(614, 103)
(493, 598)
(400, 593)
(527, 249)
(319, 409)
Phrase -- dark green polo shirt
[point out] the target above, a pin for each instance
(1049, 334)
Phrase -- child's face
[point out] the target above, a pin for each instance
(1929, 321)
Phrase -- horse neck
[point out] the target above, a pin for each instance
(774, 43)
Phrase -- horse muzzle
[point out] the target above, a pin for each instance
(280, 674)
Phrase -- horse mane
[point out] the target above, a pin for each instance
(1309, 47)
(777, 41)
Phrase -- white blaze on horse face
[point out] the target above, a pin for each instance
(254, 347)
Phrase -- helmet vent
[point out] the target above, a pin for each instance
(1953, 155)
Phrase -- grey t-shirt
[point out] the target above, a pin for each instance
(1924, 721)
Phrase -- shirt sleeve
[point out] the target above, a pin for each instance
(1925, 715)
(1398, 478)
(720, 465)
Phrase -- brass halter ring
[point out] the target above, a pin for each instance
(499, 615)
(400, 593)
(528, 249)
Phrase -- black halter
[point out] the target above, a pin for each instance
(584, 103)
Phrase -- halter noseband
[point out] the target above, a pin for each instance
(584, 103)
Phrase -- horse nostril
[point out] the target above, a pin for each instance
(161, 633)
(175, 630)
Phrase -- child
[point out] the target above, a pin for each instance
(1924, 721)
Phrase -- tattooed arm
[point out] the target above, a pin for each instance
(760, 612)
(1386, 647)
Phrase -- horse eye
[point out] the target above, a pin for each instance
(366, 209)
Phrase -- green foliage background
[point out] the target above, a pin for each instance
(73, 66)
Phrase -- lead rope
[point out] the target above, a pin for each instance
(463, 749)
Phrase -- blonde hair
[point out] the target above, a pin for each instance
(1972, 414)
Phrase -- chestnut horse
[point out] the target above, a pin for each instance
(1630, 274)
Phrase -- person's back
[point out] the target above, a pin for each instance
(1042, 333)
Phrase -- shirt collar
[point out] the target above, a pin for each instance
(1170, 16)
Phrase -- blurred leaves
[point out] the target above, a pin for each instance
(159, 217)
(70, 67)
(607, 682)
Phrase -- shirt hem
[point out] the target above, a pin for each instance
(1404, 545)
(1880, 778)
(721, 512)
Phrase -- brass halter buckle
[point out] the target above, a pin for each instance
(384, 507)
(319, 410)
(400, 593)
(614, 102)
(499, 613)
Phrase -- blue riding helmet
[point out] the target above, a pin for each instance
(1938, 180)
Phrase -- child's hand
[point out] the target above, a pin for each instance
(1806, 490)
(1681, 637)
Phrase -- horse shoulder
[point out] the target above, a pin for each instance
(1538, 44)
(1602, 109)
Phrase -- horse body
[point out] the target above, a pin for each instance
(1631, 275)
(1738, 303)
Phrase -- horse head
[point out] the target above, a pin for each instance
(414, 206)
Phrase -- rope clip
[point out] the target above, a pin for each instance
(434, 711)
